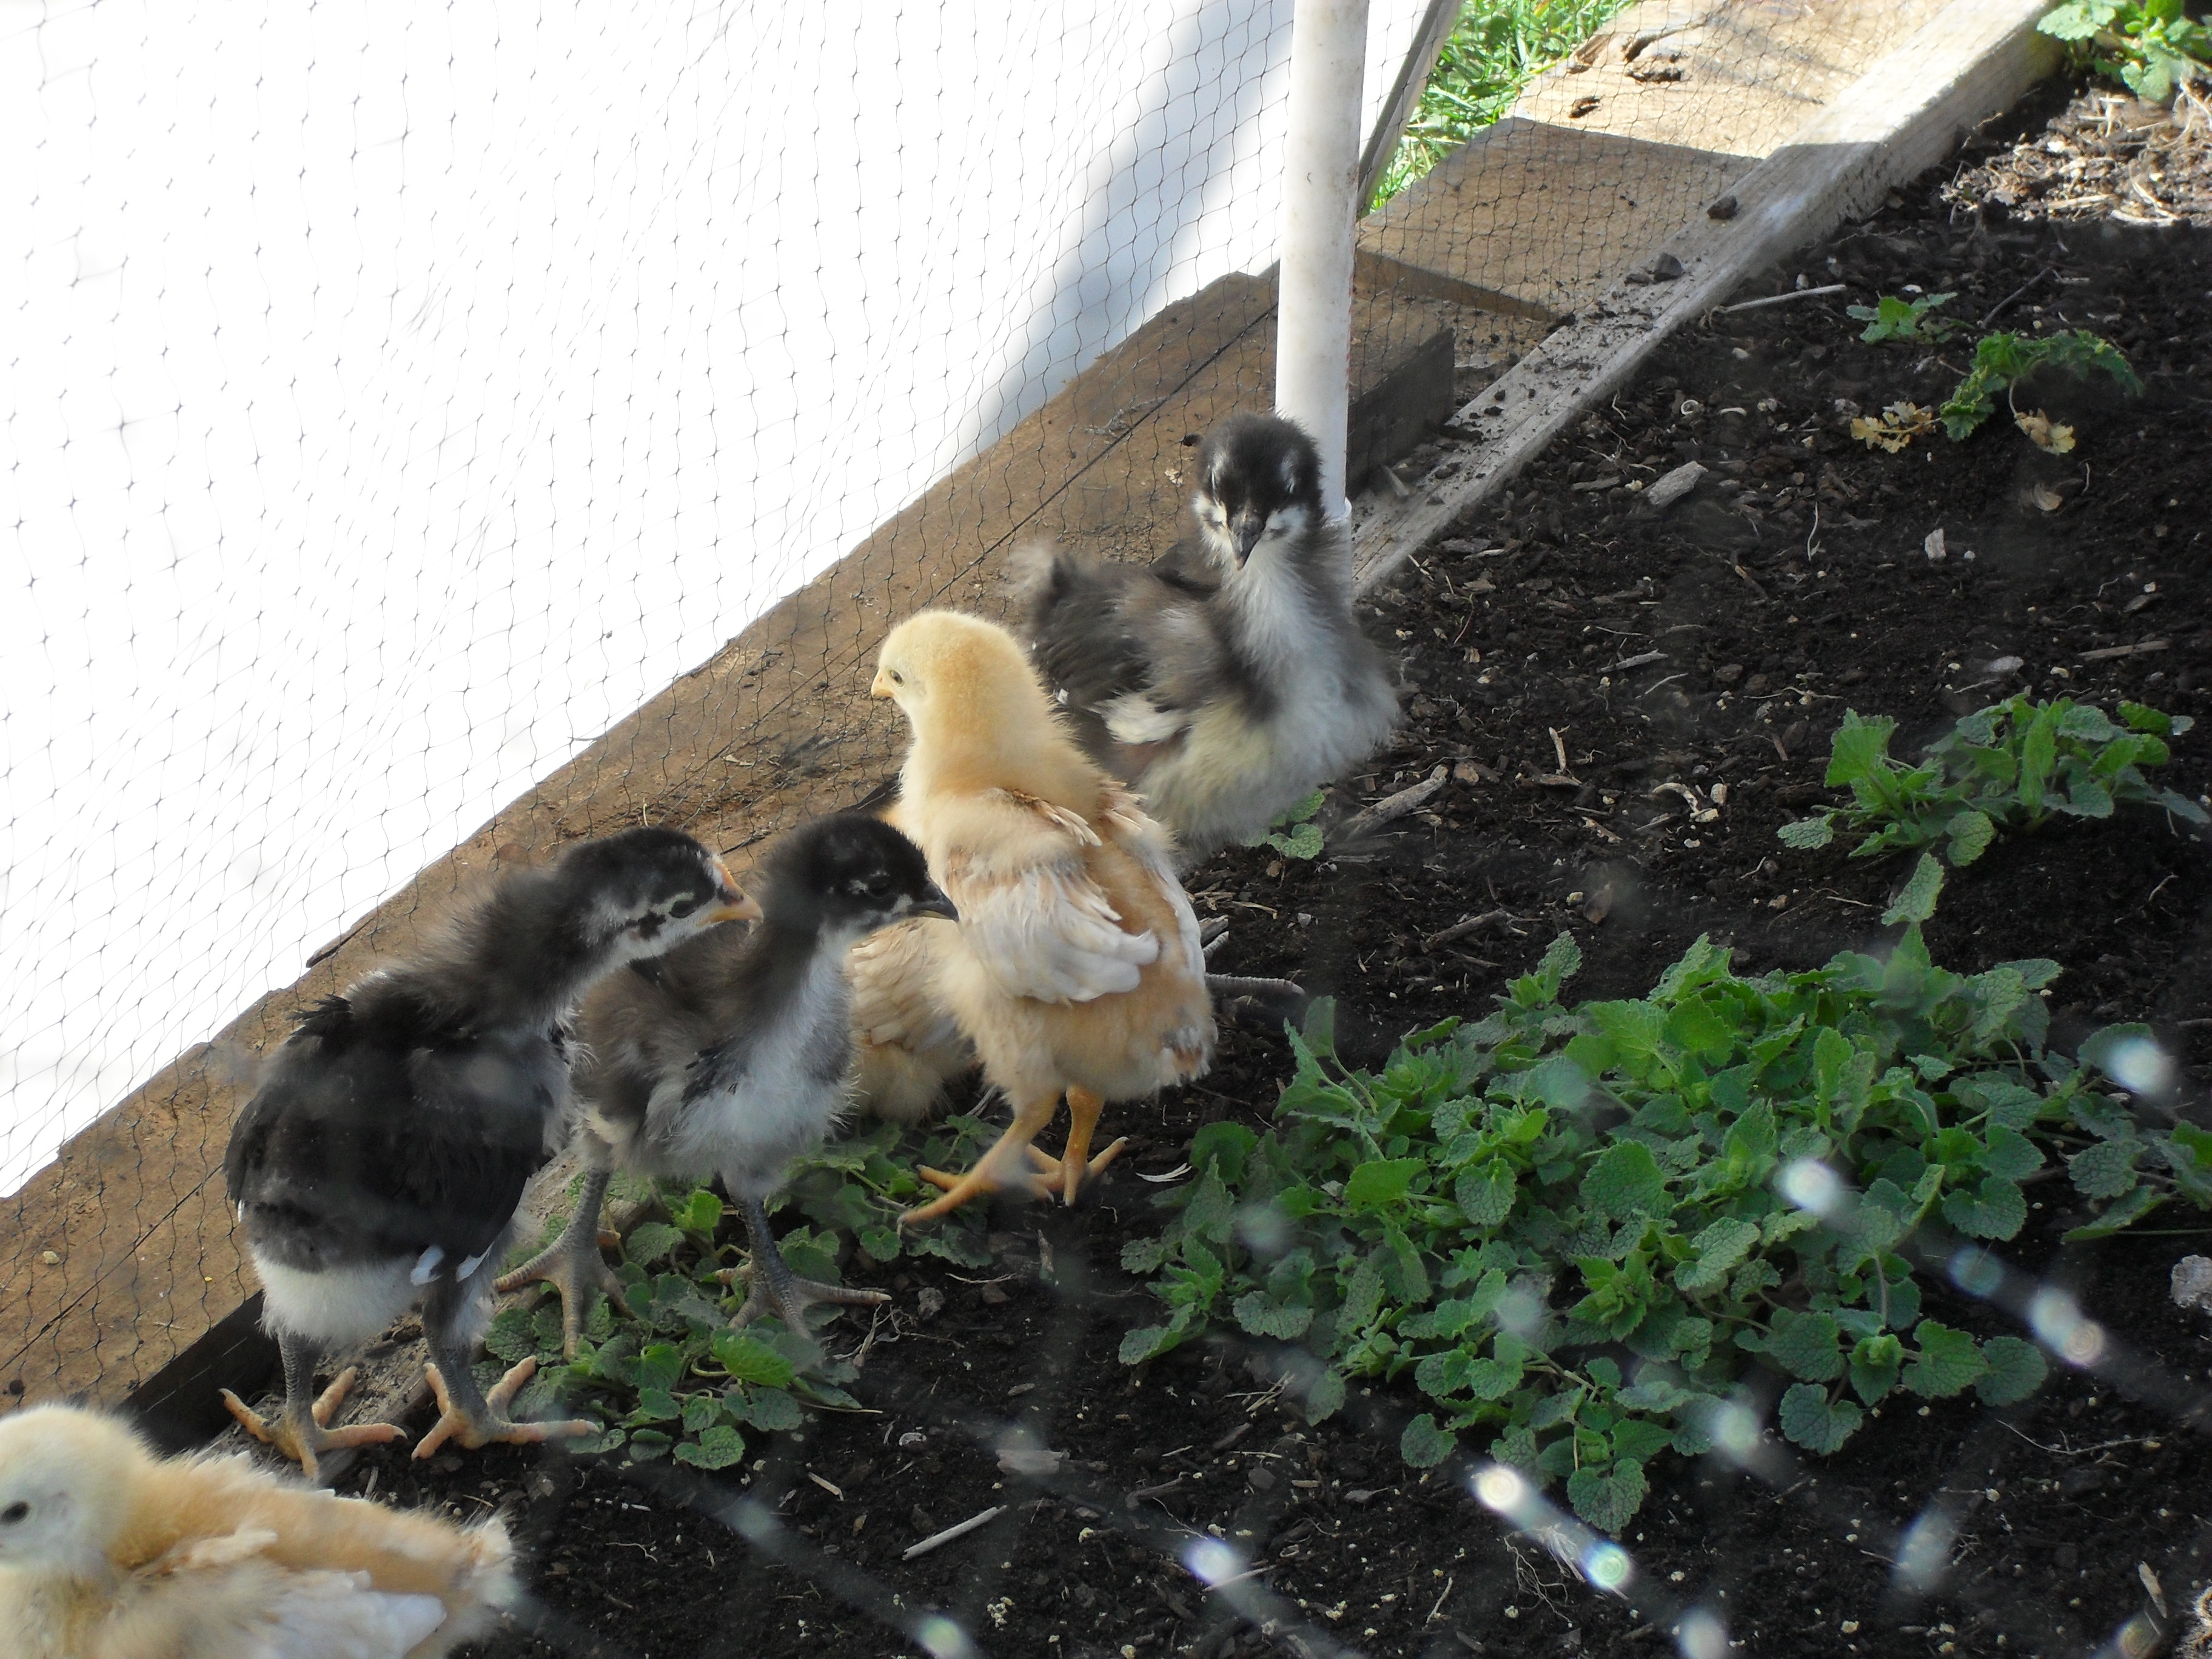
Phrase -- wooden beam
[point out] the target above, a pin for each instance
(1405, 96)
(1972, 60)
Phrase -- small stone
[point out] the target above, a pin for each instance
(1723, 209)
(929, 1302)
(1261, 1477)
(2192, 1282)
(51, 1258)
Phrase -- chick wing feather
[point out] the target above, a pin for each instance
(1037, 922)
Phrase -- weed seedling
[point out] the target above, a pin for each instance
(1572, 1229)
(2149, 46)
(1909, 322)
(2013, 766)
(2003, 360)
(1294, 834)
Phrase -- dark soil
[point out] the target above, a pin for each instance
(1791, 585)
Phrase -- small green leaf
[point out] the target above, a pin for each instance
(1424, 1444)
(2015, 1370)
(1625, 1181)
(1916, 901)
(1806, 1345)
(645, 1444)
(1608, 1498)
(748, 1359)
(1948, 1363)
(717, 1448)
(1971, 833)
(1718, 1248)
(2107, 1169)
(1377, 1185)
(1485, 1192)
(1325, 1398)
(1811, 1420)
(1261, 1316)
(649, 1241)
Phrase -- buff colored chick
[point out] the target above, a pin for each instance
(109, 1553)
(1075, 965)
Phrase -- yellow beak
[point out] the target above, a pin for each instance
(880, 686)
(732, 905)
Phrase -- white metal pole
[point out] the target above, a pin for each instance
(1321, 179)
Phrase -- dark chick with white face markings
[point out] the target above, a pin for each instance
(729, 1055)
(381, 1161)
(1225, 681)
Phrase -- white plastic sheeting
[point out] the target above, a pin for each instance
(397, 394)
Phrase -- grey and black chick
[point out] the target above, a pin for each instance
(381, 1159)
(1228, 679)
(730, 1055)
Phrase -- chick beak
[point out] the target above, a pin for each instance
(881, 685)
(730, 904)
(934, 903)
(1246, 528)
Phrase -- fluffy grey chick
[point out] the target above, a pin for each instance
(729, 1055)
(1225, 681)
(381, 1161)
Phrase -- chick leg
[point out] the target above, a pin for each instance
(466, 1415)
(1004, 1166)
(776, 1289)
(301, 1430)
(1075, 1161)
(572, 1266)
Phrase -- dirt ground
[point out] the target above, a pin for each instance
(1569, 651)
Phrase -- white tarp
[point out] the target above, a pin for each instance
(397, 394)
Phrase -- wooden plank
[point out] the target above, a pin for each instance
(774, 728)
(1973, 59)
(1600, 163)
(1436, 26)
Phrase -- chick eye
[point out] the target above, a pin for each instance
(18, 1510)
(897, 678)
(683, 908)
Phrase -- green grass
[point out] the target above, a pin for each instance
(1496, 49)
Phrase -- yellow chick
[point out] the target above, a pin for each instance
(1075, 965)
(107, 1552)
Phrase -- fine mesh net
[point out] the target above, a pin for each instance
(435, 435)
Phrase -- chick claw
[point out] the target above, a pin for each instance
(789, 1302)
(1071, 1167)
(471, 1429)
(962, 1190)
(573, 1273)
(302, 1437)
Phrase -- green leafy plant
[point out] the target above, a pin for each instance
(2003, 360)
(2012, 766)
(2149, 46)
(1911, 322)
(1572, 1229)
(1294, 834)
(674, 1379)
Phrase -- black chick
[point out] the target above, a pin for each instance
(382, 1158)
(730, 1055)
(1225, 681)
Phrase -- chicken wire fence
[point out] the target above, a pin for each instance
(434, 434)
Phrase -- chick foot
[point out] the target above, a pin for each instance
(471, 1419)
(1004, 1168)
(1066, 1172)
(572, 1266)
(303, 1436)
(772, 1287)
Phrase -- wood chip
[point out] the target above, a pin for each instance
(1671, 487)
(1637, 661)
(1032, 1462)
(833, 1491)
(938, 1539)
(2143, 648)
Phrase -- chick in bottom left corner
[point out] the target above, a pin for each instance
(108, 1551)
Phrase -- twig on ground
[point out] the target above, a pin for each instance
(961, 1530)
(1781, 299)
(1407, 800)
(1460, 930)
